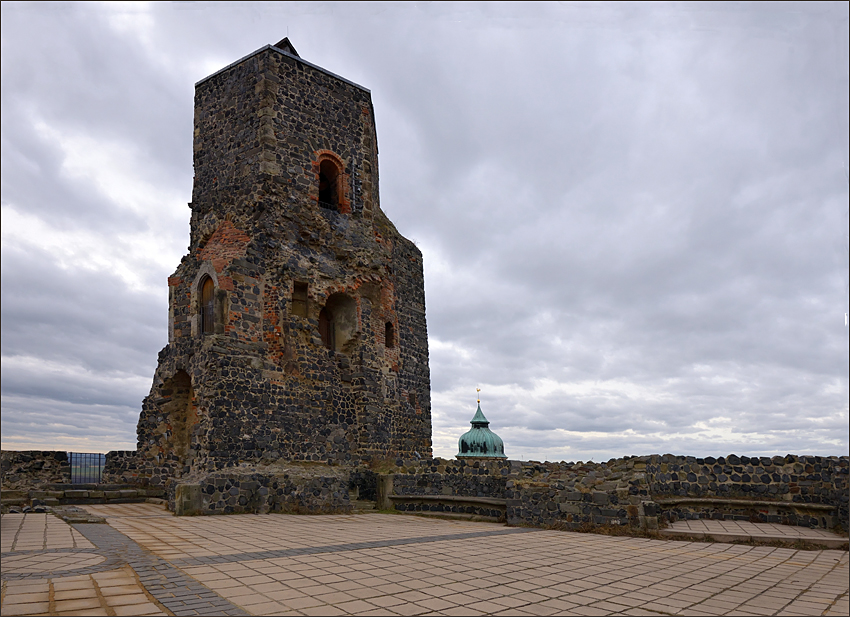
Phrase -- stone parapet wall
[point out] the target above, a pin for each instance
(613, 492)
(126, 467)
(637, 490)
(810, 479)
(32, 469)
(540, 503)
(797, 479)
(451, 479)
(455, 477)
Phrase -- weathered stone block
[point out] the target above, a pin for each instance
(188, 500)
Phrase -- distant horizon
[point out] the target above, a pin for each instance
(471, 460)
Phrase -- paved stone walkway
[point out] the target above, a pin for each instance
(379, 564)
(52, 568)
(732, 531)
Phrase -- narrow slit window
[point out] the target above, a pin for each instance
(207, 306)
(299, 300)
(328, 185)
(389, 335)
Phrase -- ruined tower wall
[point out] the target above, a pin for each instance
(288, 358)
(412, 343)
(266, 120)
(226, 139)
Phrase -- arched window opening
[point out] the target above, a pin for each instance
(326, 328)
(328, 185)
(207, 306)
(389, 335)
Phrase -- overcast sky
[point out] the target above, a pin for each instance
(633, 216)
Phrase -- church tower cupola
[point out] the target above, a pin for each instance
(480, 441)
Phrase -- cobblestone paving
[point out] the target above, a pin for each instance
(376, 564)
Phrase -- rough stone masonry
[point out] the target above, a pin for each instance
(296, 322)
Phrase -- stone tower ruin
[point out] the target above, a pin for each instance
(296, 322)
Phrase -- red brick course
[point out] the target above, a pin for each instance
(227, 243)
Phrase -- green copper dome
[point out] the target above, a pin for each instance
(480, 441)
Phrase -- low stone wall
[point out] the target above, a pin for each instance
(640, 491)
(32, 469)
(448, 477)
(474, 508)
(573, 495)
(452, 479)
(543, 504)
(76, 494)
(33, 478)
(810, 479)
(797, 480)
(534, 493)
(798, 490)
(317, 489)
(125, 467)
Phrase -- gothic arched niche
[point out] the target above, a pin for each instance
(338, 322)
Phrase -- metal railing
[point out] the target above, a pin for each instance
(86, 467)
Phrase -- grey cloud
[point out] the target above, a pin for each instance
(88, 78)
(41, 187)
(40, 419)
(80, 317)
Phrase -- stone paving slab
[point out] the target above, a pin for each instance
(732, 531)
(115, 592)
(27, 532)
(397, 565)
(94, 569)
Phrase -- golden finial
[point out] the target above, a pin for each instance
(479, 395)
